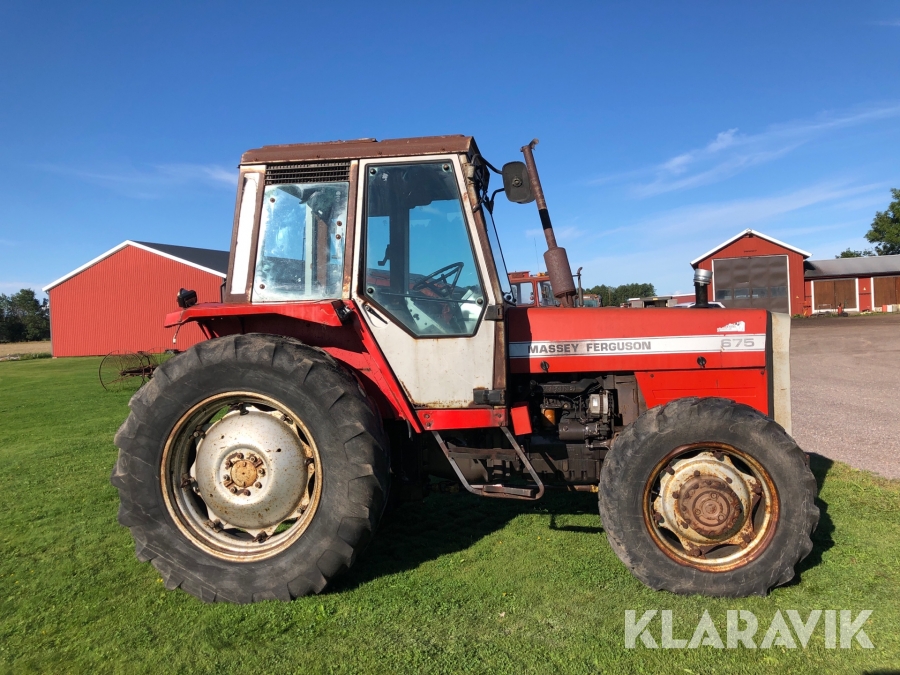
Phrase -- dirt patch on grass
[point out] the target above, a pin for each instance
(9, 348)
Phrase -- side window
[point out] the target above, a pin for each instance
(547, 298)
(419, 262)
(524, 294)
(301, 242)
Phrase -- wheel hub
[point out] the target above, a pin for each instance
(244, 473)
(252, 470)
(706, 501)
(709, 506)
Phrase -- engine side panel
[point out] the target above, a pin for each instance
(672, 352)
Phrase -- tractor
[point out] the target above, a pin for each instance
(367, 345)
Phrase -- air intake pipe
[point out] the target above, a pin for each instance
(555, 258)
(702, 278)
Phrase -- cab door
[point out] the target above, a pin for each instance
(422, 282)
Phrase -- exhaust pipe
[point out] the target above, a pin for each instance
(555, 258)
(702, 279)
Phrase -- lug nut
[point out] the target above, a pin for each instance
(258, 485)
(234, 490)
(262, 472)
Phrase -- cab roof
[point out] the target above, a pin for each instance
(361, 148)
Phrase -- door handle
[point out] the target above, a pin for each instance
(372, 312)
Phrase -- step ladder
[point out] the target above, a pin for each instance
(527, 492)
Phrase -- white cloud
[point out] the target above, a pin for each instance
(562, 233)
(731, 152)
(152, 182)
(669, 240)
(210, 173)
(743, 213)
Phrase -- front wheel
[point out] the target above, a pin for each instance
(708, 496)
(251, 467)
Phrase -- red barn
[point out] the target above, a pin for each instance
(118, 300)
(755, 270)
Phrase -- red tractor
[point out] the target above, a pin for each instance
(367, 339)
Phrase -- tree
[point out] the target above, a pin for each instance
(885, 230)
(23, 318)
(849, 253)
(613, 296)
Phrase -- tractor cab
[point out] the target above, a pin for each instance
(395, 229)
(532, 291)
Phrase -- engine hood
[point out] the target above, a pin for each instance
(557, 340)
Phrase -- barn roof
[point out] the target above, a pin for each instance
(852, 267)
(745, 233)
(208, 260)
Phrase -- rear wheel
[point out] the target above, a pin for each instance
(708, 496)
(251, 467)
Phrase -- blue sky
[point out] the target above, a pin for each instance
(665, 128)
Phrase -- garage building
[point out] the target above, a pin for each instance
(854, 284)
(754, 270)
(118, 301)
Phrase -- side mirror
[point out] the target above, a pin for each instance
(516, 183)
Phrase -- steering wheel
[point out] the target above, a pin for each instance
(447, 277)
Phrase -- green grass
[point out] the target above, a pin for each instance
(455, 584)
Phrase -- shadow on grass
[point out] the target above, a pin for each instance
(821, 537)
(581, 529)
(414, 533)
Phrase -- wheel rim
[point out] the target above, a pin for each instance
(710, 506)
(121, 372)
(241, 476)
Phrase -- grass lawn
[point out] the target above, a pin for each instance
(454, 584)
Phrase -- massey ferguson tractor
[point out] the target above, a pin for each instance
(367, 340)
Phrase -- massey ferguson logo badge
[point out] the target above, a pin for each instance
(736, 327)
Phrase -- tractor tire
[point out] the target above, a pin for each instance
(707, 496)
(252, 467)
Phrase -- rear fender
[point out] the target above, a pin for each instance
(332, 325)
